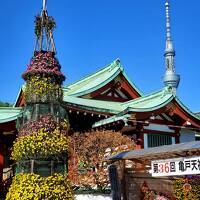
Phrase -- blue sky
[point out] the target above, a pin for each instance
(92, 33)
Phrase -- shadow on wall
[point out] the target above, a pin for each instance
(141, 185)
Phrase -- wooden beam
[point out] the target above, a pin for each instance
(148, 158)
(75, 108)
(7, 127)
(142, 162)
(124, 180)
(110, 88)
(161, 122)
(101, 90)
(181, 113)
(128, 88)
(110, 98)
(140, 136)
(150, 131)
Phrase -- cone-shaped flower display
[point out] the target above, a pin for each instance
(41, 148)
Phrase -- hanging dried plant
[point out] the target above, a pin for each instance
(44, 21)
(38, 28)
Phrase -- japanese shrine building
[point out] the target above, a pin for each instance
(107, 99)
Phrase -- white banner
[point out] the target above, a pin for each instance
(176, 167)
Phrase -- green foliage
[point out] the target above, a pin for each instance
(35, 187)
(193, 194)
(5, 104)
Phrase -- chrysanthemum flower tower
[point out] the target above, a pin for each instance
(41, 148)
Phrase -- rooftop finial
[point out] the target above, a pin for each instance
(44, 4)
(170, 78)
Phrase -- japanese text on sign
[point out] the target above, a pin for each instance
(174, 167)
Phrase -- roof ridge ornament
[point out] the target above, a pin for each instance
(114, 64)
(168, 90)
(170, 78)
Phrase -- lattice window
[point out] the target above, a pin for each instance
(155, 140)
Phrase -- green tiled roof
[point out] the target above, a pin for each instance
(149, 102)
(198, 114)
(93, 105)
(8, 114)
(97, 80)
(187, 110)
(145, 103)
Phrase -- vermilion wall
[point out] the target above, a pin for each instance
(1, 161)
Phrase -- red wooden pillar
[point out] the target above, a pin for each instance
(1, 161)
(177, 137)
(141, 137)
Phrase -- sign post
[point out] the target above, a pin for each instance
(176, 167)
